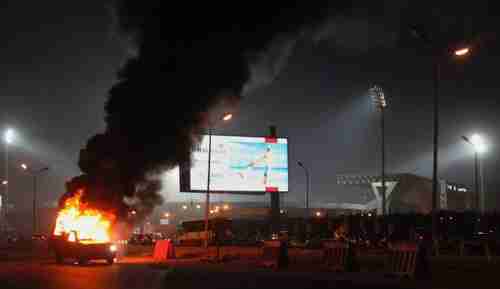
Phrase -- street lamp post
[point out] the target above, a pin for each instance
(226, 117)
(437, 58)
(435, 139)
(306, 205)
(380, 102)
(8, 138)
(207, 199)
(35, 174)
(479, 147)
(438, 53)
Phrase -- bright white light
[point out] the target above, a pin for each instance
(227, 116)
(113, 248)
(478, 143)
(5, 182)
(24, 166)
(462, 51)
(198, 206)
(318, 214)
(167, 215)
(184, 207)
(378, 97)
(9, 136)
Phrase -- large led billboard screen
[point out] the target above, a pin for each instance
(238, 165)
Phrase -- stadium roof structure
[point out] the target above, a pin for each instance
(365, 179)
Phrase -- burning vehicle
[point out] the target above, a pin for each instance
(82, 233)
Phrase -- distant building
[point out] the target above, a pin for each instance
(407, 193)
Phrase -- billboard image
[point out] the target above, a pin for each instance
(239, 164)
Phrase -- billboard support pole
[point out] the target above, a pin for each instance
(275, 197)
(207, 199)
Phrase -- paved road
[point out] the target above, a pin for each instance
(140, 273)
(46, 274)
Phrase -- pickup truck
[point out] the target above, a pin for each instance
(69, 246)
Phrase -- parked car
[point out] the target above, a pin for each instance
(141, 239)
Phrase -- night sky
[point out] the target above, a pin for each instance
(60, 59)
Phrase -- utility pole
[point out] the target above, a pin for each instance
(34, 174)
(275, 197)
(436, 79)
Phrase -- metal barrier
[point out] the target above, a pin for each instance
(447, 247)
(403, 259)
(483, 245)
(336, 254)
(164, 250)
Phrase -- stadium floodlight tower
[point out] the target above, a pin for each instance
(378, 98)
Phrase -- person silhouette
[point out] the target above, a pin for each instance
(266, 159)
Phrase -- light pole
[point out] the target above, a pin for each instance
(479, 147)
(378, 97)
(225, 117)
(8, 137)
(35, 174)
(306, 205)
(438, 54)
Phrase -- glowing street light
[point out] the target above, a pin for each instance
(5, 182)
(167, 214)
(318, 214)
(462, 51)
(478, 143)
(227, 116)
(24, 167)
(9, 136)
(438, 59)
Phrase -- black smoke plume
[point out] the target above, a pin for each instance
(189, 60)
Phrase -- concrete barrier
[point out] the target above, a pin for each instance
(403, 259)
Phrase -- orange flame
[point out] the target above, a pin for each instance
(82, 223)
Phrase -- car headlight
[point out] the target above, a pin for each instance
(113, 248)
